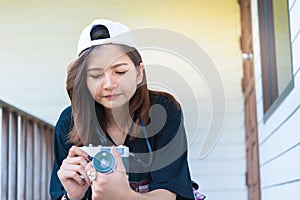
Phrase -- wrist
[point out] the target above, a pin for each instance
(67, 197)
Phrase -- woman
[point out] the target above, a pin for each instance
(110, 106)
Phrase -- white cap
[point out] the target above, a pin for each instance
(118, 34)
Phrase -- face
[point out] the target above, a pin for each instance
(112, 77)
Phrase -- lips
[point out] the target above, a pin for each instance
(111, 97)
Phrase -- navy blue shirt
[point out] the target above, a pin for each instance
(165, 134)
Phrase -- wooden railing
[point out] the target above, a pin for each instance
(26, 154)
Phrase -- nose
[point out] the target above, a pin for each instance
(110, 82)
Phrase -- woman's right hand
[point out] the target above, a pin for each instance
(71, 172)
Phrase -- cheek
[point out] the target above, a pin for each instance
(92, 87)
(128, 82)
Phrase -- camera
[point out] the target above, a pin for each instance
(103, 160)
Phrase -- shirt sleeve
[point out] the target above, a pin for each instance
(170, 165)
(61, 149)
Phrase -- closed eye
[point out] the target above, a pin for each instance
(121, 72)
(96, 76)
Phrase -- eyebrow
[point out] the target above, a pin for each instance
(100, 69)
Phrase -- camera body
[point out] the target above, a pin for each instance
(103, 159)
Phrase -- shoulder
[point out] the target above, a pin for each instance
(166, 118)
(166, 100)
(62, 128)
(65, 116)
(64, 123)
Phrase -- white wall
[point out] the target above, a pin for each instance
(279, 138)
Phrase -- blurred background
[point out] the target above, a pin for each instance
(38, 41)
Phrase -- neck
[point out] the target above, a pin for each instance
(119, 117)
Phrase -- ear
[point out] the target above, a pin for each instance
(139, 73)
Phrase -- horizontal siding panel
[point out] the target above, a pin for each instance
(296, 57)
(283, 139)
(280, 115)
(258, 89)
(41, 83)
(288, 191)
(257, 60)
(234, 136)
(233, 106)
(283, 169)
(220, 152)
(221, 182)
(291, 3)
(294, 19)
(223, 194)
(229, 167)
(261, 133)
(259, 110)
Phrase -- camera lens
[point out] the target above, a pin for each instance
(104, 162)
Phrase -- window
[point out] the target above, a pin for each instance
(276, 55)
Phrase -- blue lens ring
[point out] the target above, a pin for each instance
(104, 162)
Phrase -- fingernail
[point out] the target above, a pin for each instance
(90, 158)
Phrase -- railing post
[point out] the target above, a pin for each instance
(26, 155)
(49, 151)
(37, 186)
(22, 158)
(12, 156)
(29, 159)
(44, 162)
(4, 153)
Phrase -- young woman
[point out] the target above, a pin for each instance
(110, 106)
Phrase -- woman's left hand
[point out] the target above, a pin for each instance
(110, 186)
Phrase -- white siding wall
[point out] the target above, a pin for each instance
(279, 138)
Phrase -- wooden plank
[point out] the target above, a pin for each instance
(50, 154)
(43, 161)
(37, 161)
(21, 168)
(4, 153)
(248, 85)
(12, 156)
(49, 142)
(29, 159)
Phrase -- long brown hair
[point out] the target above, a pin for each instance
(90, 121)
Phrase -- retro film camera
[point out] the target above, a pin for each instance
(103, 160)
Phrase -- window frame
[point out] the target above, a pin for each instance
(271, 98)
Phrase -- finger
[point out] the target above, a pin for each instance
(80, 169)
(76, 151)
(89, 167)
(89, 171)
(75, 161)
(78, 165)
(71, 174)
